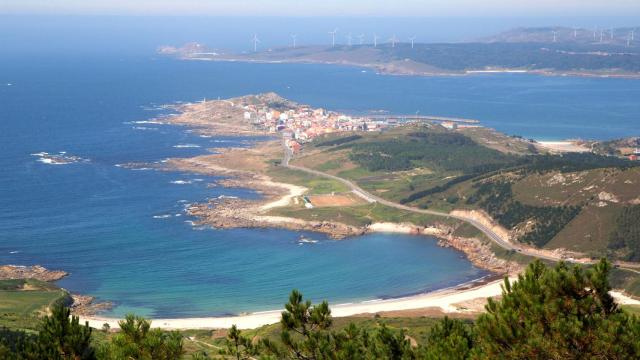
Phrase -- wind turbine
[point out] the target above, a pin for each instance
(361, 38)
(601, 35)
(413, 38)
(349, 37)
(633, 32)
(375, 40)
(555, 36)
(611, 33)
(594, 34)
(575, 33)
(393, 40)
(255, 42)
(294, 37)
(333, 37)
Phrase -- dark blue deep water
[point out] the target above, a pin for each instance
(108, 225)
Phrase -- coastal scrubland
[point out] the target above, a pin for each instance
(579, 202)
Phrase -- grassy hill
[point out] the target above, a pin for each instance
(581, 202)
(23, 302)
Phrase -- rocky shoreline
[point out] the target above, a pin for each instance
(80, 304)
(15, 272)
(246, 169)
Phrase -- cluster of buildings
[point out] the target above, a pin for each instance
(302, 124)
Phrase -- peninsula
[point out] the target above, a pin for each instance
(547, 51)
(473, 188)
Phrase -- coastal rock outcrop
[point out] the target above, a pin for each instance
(10, 272)
(480, 254)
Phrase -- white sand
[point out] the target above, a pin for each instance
(563, 146)
(443, 299)
(294, 191)
(388, 227)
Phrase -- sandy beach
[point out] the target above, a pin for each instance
(563, 146)
(445, 300)
(457, 300)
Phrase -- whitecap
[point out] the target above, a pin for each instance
(148, 122)
(181, 182)
(227, 197)
(161, 216)
(14, 252)
(186, 146)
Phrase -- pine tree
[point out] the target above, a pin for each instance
(62, 337)
(561, 313)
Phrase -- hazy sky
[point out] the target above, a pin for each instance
(423, 8)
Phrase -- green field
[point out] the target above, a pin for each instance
(23, 302)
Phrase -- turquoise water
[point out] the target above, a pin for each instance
(110, 226)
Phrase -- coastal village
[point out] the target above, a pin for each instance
(300, 124)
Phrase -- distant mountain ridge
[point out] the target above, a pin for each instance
(560, 34)
(549, 50)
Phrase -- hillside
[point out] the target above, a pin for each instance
(580, 202)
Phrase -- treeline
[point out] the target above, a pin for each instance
(436, 189)
(571, 162)
(625, 238)
(444, 151)
(497, 199)
(560, 313)
(339, 141)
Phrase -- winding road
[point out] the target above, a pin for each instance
(503, 243)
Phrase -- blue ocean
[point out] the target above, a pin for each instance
(122, 234)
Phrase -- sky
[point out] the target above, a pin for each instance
(411, 8)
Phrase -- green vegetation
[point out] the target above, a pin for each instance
(338, 141)
(23, 302)
(550, 200)
(362, 215)
(523, 55)
(445, 151)
(497, 199)
(564, 312)
(317, 185)
(626, 236)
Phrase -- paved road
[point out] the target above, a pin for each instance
(505, 244)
